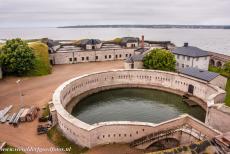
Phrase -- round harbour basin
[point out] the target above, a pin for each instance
(133, 104)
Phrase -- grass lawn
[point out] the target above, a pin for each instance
(223, 73)
(11, 152)
(42, 64)
(60, 141)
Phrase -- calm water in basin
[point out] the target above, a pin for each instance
(133, 104)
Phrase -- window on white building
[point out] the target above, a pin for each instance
(182, 65)
(178, 56)
(82, 58)
(205, 58)
(177, 64)
(105, 56)
(183, 57)
(87, 58)
(109, 56)
(188, 58)
(197, 58)
(70, 59)
(187, 65)
(96, 57)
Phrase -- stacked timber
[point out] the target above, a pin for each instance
(32, 114)
(5, 111)
(24, 114)
(12, 118)
(17, 118)
(4, 119)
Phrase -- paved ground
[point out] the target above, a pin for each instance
(38, 91)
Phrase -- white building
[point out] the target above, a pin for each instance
(130, 42)
(90, 44)
(188, 56)
(70, 54)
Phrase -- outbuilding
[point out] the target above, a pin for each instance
(134, 62)
(210, 77)
(90, 44)
(130, 42)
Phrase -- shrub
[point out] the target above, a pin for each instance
(160, 59)
(17, 57)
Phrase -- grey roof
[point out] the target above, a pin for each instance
(90, 41)
(133, 58)
(199, 74)
(129, 40)
(190, 51)
(141, 50)
(52, 43)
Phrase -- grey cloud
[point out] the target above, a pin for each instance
(28, 13)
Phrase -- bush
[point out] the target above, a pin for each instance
(227, 67)
(17, 57)
(41, 64)
(160, 59)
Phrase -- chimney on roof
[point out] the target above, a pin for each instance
(186, 44)
(142, 41)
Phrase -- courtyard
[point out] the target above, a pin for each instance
(38, 91)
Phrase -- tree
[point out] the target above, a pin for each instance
(227, 67)
(160, 59)
(17, 57)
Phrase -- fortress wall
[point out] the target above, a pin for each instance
(103, 133)
(218, 117)
(103, 55)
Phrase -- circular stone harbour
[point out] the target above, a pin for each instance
(133, 104)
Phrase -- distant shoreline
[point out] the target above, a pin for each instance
(152, 26)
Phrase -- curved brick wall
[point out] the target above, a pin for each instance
(123, 131)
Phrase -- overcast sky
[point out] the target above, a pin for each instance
(30, 13)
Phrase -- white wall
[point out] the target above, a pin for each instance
(220, 81)
(218, 116)
(201, 62)
(131, 45)
(82, 56)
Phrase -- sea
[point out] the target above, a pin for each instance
(215, 40)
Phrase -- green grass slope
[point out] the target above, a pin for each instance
(42, 64)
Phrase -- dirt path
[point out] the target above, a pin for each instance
(38, 91)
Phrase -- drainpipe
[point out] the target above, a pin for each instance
(192, 61)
